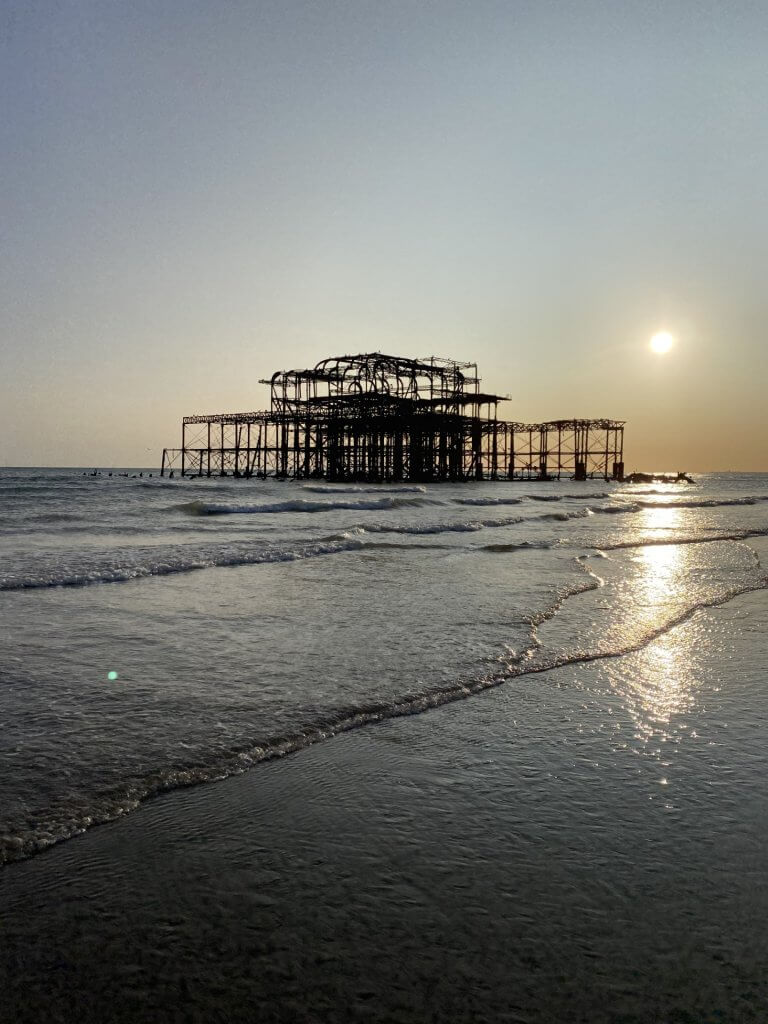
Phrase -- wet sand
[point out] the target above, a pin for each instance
(423, 870)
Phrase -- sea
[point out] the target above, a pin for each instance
(159, 633)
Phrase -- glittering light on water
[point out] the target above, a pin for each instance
(112, 676)
(663, 689)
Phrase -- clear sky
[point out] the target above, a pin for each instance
(198, 192)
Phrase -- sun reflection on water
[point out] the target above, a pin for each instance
(661, 569)
(661, 690)
(660, 687)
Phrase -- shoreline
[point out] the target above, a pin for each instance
(342, 720)
(417, 871)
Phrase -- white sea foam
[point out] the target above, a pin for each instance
(488, 501)
(211, 508)
(365, 488)
(700, 502)
(120, 572)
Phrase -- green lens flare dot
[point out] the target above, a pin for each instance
(112, 676)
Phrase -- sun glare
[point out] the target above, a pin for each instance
(661, 342)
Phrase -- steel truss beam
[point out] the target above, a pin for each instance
(374, 417)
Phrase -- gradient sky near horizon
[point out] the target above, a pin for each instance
(199, 193)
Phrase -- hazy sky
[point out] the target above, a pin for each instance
(198, 193)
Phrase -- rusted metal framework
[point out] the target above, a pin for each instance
(375, 417)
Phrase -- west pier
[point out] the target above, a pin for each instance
(377, 418)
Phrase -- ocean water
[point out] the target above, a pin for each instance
(162, 633)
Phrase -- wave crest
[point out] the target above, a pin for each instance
(213, 508)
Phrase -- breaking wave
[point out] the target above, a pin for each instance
(563, 517)
(123, 573)
(588, 497)
(702, 503)
(488, 501)
(525, 545)
(419, 529)
(209, 508)
(471, 525)
(365, 489)
(696, 538)
(623, 545)
(611, 510)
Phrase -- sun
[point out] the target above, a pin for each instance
(662, 342)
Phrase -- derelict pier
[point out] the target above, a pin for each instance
(378, 418)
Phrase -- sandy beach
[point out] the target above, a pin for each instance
(426, 869)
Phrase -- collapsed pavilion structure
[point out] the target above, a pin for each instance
(377, 418)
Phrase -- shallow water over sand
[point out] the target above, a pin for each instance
(585, 845)
(247, 619)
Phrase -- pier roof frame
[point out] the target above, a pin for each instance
(379, 372)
